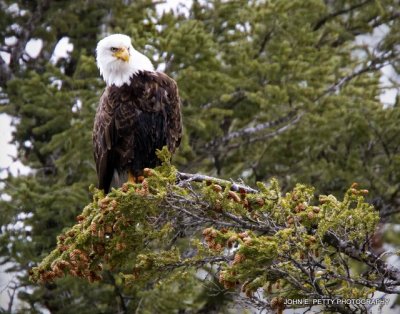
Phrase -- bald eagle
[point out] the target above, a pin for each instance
(139, 112)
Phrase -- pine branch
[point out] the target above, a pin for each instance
(185, 178)
(23, 35)
(257, 238)
(249, 131)
(5, 72)
(275, 133)
(250, 134)
(332, 15)
(365, 256)
(374, 64)
(389, 211)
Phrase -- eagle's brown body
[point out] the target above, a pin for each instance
(131, 123)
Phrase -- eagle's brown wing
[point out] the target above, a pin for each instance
(166, 92)
(104, 141)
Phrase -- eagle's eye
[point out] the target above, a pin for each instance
(113, 49)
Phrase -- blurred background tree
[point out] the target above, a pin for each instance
(286, 89)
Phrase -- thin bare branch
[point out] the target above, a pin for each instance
(188, 177)
(248, 131)
(367, 257)
(332, 15)
(272, 134)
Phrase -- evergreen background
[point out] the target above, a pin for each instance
(290, 89)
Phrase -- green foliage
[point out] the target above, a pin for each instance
(352, 217)
(126, 231)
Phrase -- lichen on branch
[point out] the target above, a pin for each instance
(281, 245)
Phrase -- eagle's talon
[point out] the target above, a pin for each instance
(131, 178)
(148, 172)
(140, 179)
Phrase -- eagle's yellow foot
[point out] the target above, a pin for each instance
(131, 178)
(148, 172)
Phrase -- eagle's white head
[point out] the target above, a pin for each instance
(117, 60)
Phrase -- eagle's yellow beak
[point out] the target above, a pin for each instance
(122, 54)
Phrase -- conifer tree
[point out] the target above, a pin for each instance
(282, 89)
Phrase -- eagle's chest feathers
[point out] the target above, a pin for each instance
(138, 113)
(143, 93)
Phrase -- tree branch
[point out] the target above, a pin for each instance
(186, 178)
(373, 65)
(332, 15)
(23, 36)
(270, 135)
(330, 238)
(248, 131)
(256, 238)
(363, 256)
